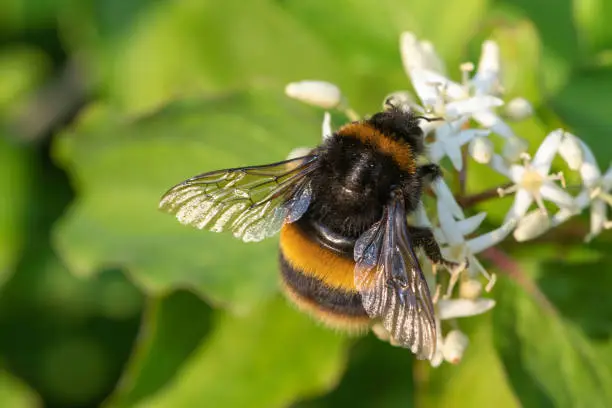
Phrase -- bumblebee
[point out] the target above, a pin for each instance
(347, 253)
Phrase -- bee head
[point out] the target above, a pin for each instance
(401, 124)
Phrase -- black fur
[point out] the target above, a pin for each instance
(332, 300)
(353, 181)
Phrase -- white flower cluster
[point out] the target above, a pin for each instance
(467, 114)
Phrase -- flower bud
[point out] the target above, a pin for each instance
(318, 93)
(399, 99)
(454, 346)
(454, 308)
(518, 109)
(514, 148)
(481, 149)
(531, 226)
(299, 152)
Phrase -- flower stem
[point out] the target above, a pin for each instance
(474, 199)
(513, 270)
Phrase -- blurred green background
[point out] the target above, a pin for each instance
(105, 301)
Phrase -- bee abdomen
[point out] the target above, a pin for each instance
(320, 281)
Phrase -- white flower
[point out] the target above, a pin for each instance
(518, 109)
(533, 183)
(596, 192)
(419, 54)
(457, 248)
(454, 346)
(475, 97)
(318, 93)
(449, 139)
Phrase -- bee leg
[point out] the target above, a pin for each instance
(429, 172)
(423, 238)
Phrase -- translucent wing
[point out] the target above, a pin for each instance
(392, 286)
(252, 202)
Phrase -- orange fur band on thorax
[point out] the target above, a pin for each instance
(398, 150)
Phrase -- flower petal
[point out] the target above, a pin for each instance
(453, 151)
(598, 219)
(547, 151)
(469, 225)
(552, 192)
(454, 308)
(449, 226)
(607, 179)
(498, 164)
(472, 105)
(318, 93)
(427, 83)
(516, 173)
(492, 238)
(487, 76)
(522, 202)
(445, 196)
(410, 51)
(435, 151)
(571, 151)
(491, 121)
(431, 57)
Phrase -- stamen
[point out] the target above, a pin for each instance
(453, 280)
(595, 192)
(492, 281)
(558, 176)
(605, 197)
(466, 69)
(540, 202)
(436, 295)
(509, 190)
(526, 158)
(491, 278)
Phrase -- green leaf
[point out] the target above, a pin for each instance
(122, 167)
(15, 185)
(172, 328)
(584, 105)
(187, 48)
(16, 394)
(477, 380)
(377, 375)
(549, 360)
(593, 23)
(366, 35)
(555, 24)
(267, 358)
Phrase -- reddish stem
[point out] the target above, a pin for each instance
(513, 270)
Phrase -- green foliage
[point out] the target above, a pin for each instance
(106, 300)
